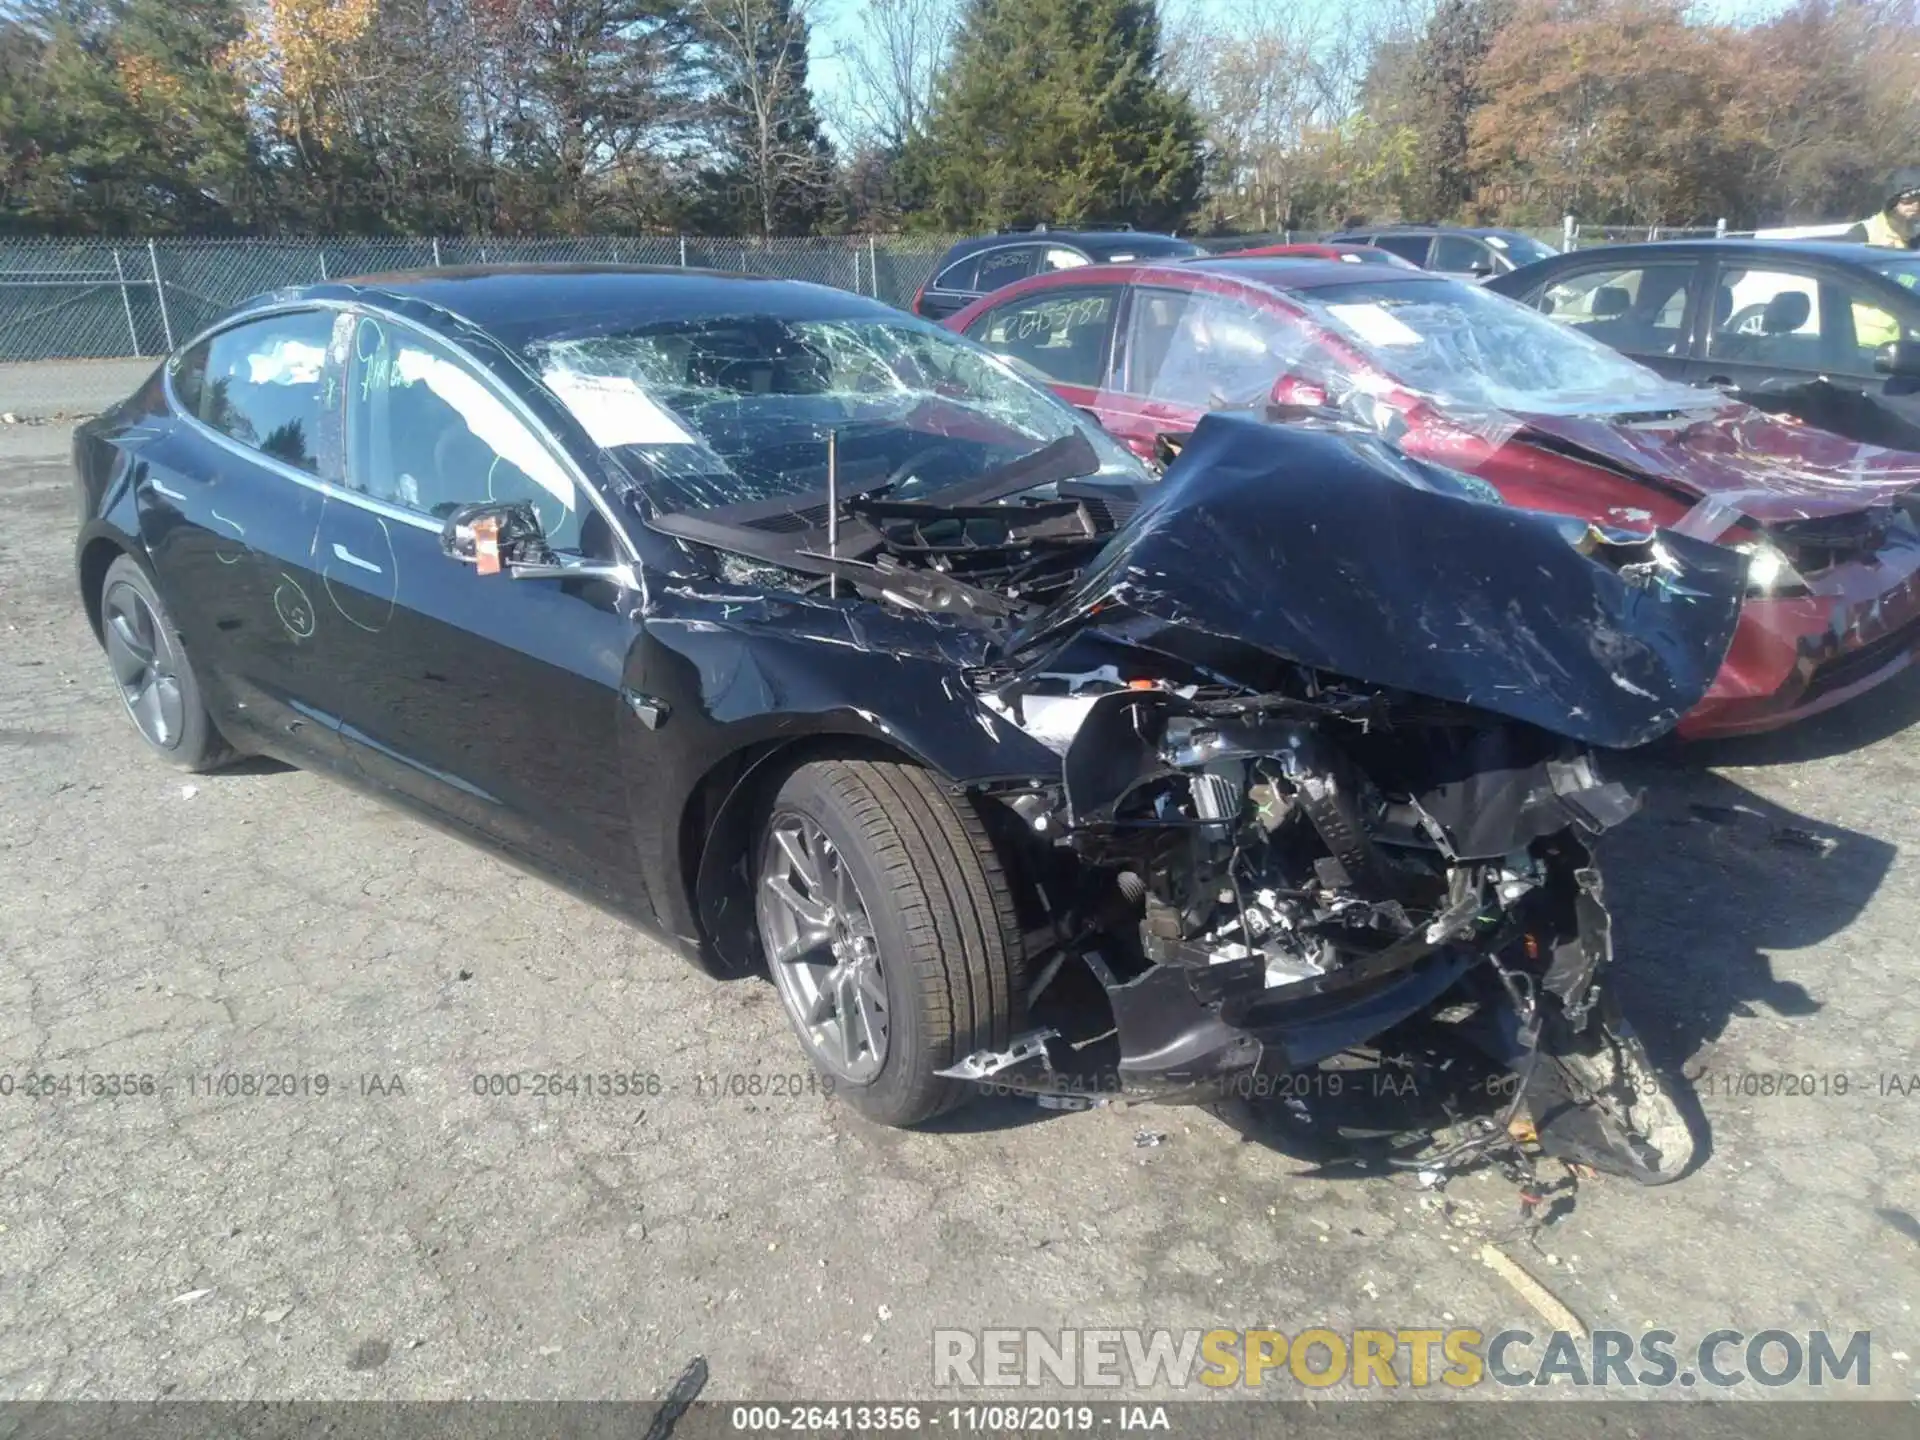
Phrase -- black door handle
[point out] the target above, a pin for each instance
(1719, 380)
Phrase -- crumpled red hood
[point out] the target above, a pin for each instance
(1771, 468)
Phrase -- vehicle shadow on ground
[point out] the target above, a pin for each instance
(1703, 884)
(1862, 721)
(257, 765)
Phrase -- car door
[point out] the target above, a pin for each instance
(228, 509)
(491, 701)
(1061, 336)
(1874, 318)
(1642, 308)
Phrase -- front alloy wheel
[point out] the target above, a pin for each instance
(886, 918)
(822, 950)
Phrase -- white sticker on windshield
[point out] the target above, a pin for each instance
(1374, 324)
(615, 410)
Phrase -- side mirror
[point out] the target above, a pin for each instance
(495, 535)
(1900, 359)
(507, 536)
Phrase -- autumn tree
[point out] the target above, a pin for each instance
(1060, 110)
(1613, 110)
(1287, 98)
(1835, 87)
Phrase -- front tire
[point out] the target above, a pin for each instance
(151, 670)
(889, 927)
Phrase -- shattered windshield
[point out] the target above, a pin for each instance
(1470, 348)
(721, 410)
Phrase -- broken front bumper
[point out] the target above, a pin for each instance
(1188, 1033)
(1795, 656)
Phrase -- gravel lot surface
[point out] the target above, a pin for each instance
(405, 1237)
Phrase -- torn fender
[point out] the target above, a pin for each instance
(1294, 542)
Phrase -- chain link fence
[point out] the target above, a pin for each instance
(82, 299)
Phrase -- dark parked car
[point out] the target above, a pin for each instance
(983, 264)
(1471, 253)
(809, 635)
(1766, 318)
(1533, 412)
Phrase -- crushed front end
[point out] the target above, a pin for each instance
(1254, 859)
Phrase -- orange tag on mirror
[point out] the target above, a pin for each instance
(486, 545)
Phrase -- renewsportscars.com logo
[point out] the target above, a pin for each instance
(1413, 1358)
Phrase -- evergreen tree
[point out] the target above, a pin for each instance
(1446, 93)
(126, 116)
(1059, 111)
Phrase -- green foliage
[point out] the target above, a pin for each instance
(1057, 110)
(1447, 91)
(123, 116)
(381, 116)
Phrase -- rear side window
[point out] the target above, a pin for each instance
(1004, 266)
(958, 276)
(273, 385)
(1061, 334)
(1458, 254)
(1407, 247)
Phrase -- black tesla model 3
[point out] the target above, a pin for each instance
(811, 636)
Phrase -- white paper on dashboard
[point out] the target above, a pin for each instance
(1375, 324)
(615, 410)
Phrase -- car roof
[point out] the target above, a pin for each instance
(1099, 240)
(522, 303)
(1278, 272)
(1401, 227)
(1842, 250)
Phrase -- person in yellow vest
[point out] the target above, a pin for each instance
(1896, 227)
(1898, 223)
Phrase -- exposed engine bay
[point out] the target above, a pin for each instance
(1280, 753)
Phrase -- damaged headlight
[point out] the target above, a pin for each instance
(1769, 571)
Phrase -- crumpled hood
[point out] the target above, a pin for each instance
(1768, 467)
(1296, 543)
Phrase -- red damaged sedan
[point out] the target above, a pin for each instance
(1546, 418)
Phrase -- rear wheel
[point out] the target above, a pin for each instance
(154, 676)
(889, 928)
